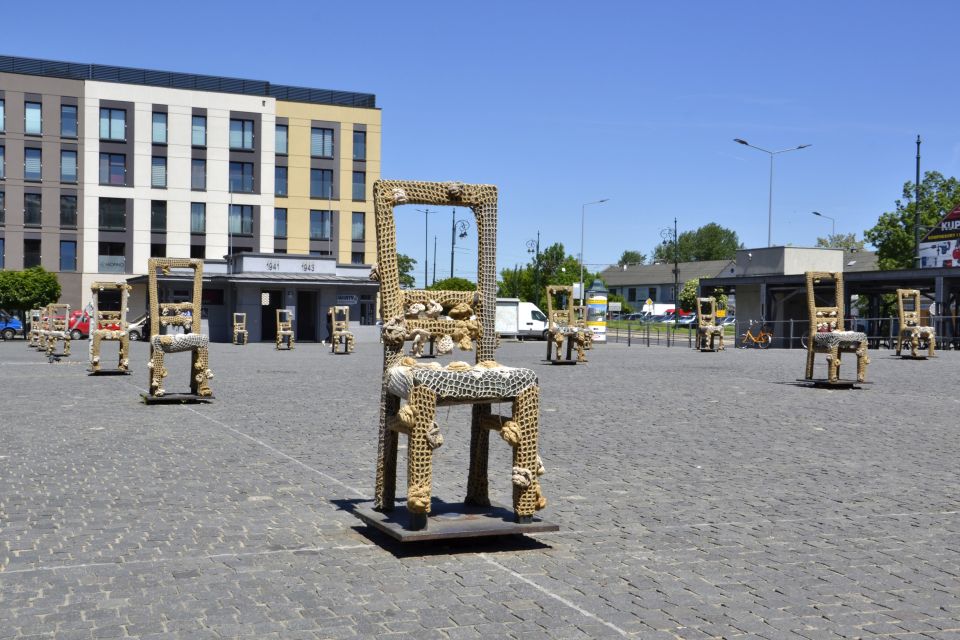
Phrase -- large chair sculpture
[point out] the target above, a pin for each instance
(109, 325)
(908, 306)
(707, 325)
(240, 334)
(284, 329)
(57, 329)
(581, 314)
(826, 330)
(36, 326)
(177, 314)
(465, 317)
(562, 326)
(340, 326)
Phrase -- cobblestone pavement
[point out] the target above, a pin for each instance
(698, 495)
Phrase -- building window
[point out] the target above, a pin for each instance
(68, 120)
(32, 164)
(280, 181)
(3, 115)
(359, 185)
(241, 177)
(241, 220)
(281, 140)
(112, 257)
(357, 230)
(113, 124)
(113, 215)
(31, 253)
(32, 118)
(321, 223)
(113, 169)
(68, 166)
(68, 212)
(198, 251)
(159, 128)
(631, 294)
(280, 223)
(241, 134)
(321, 183)
(321, 143)
(359, 145)
(3, 162)
(3, 208)
(198, 174)
(198, 217)
(68, 255)
(32, 210)
(198, 131)
(158, 249)
(356, 257)
(158, 217)
(652, 293)
(158, 172)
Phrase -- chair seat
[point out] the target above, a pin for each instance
(109, 334)
(477, 383)
(830, 339)
(284, 332)
(711, 328)
(177, 343)
(917, 329)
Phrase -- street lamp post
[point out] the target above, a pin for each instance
(583, 209)
(534, 248)
(455, 224)
(833, 223)
(770, 195)
(426, 245)
(670, 235)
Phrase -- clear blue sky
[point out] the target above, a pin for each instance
(562, 103)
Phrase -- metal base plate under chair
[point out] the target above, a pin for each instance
(907, 356)
(108, 372)
(450, 521)
(824, 383)
(175, 398)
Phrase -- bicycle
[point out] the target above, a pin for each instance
(761, 340)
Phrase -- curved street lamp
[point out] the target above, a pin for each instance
(833, 223)
(583, 208)
(770, 198)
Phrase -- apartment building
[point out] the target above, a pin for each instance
(103, 167)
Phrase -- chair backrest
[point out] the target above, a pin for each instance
(908, 307)
(58, 316)
(563, 313)
(178, 314)
(240, 321)
(828, 318)
(339, 317)
(101, 319)
(406, 311)
(706, 311)
(284, 320)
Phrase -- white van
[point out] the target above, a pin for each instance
(519, 319)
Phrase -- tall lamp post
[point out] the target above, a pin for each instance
(534, 248)
(670, 235)
(426, 244)
(455, 225)
(583, 209)
(916, 213)
(833, 223)
(770, 196)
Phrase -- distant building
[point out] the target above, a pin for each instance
(638, 282)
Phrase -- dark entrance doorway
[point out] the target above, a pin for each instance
(307, 316)
(268, 314)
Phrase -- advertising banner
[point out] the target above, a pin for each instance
(941, 246)
(597, 316)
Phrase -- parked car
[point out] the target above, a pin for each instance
(10, 326)
(139, 329)
(80, 325)
(687, 319)
(727, 321)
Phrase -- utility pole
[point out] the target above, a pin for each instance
(534, 248)
(426, 245)
(455, 224)
(434, 260)
(916, 213)
(676, 272)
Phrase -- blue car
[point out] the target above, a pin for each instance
(10, 326)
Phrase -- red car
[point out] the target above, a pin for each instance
(80, 325)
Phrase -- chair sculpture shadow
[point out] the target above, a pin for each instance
(827, 334)
(562, 326)
(464, 317)
(910, 327)
(57, 330)
(284, 329)
(340, 327)
(109, 325)
(707, 325)
(177, 314)
(240, 334)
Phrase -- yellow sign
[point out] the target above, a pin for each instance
(721, 313)
(648, 302)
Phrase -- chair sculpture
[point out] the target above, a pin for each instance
(33, 337)
(562, 326)
(109, 325)
(826, 330)
(581, 314)
(707, 326)
(240, 334)
(57, 329)
(464, 317)
(910, 327)
(284, 329)
(177, 314)
(340, 326)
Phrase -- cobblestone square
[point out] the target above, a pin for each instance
(698, 495)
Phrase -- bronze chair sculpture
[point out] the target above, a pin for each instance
(340, 327)
(562, 326)
(908, 307)
(826, 333)
(57, 329)
(463, 317)
(707, 325)
(581, 314)
(177, 314)
(240, 334)
(284, 329)
(109, 325)
(36, 326)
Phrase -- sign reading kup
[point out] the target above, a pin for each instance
(941, 246)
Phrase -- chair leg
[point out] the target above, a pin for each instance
(809, 371)
(900, 343)
(478, 492)
(526, 413)
(863, 359)
(419, 453)
(833, 364)
(124, 358)
(157, 372)
(931, 343)
(385, 491)
(914, 343)
(95, 339)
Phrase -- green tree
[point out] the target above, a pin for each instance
(555, 267)
(709, 242)
(893, 234)
(631, 257)
(453, 284)
(845, 241)
(688, 296)
(28, 289)
(405, 265)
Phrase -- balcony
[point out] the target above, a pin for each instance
(111, 264)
